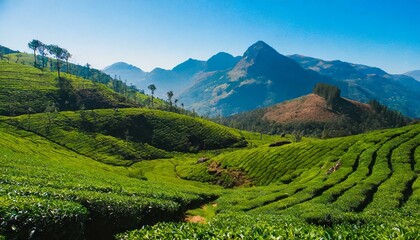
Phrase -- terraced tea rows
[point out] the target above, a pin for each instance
(328, 181)
(49, 192)
(124, 136)
(245, 226)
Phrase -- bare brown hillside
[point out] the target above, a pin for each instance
(312, 108)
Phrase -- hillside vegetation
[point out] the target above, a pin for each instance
(123, 136)
(322, 114)
(49, 192)
(26, 89)
(364, 186)
(325, 181)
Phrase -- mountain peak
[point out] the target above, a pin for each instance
(189, 66)
(259, 47)
(121, 66)
(260, 59)
(125, 71)
(221, 61)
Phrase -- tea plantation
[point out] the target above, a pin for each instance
(136, 173)
(49, 192)
(365, 185)
(124, 136)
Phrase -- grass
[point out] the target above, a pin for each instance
(293, 190)
(128, 135)
(376, 176)
(47, 189)
(244, 226)
(24, 87)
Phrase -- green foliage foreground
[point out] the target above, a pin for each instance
(359, 187)
(245, 226)
(49, 192)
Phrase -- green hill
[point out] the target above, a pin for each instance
(49, 192)
(124, 136)
(352, 187)
(24, 87)
(357, 178)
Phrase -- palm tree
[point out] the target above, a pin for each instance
(35, 45)
(152, 88)
(176, 101)
(170, 95)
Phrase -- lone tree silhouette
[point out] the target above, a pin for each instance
(35, 45)
(152, 88)
(170, 95)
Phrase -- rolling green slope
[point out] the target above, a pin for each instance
(123, 136)
(347, 179)
(373, 191)
(49, 192)
(24, 87)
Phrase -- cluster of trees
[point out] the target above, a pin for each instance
(170, 94)
(330, 93)
(388, 117)
(60, 54)
(171, 106)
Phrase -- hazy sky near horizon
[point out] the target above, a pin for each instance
(164, 33)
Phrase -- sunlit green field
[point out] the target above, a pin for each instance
(136, 173)
(375, 193)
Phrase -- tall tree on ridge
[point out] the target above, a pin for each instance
(59, 54)
(35, 45)
(42, 50)
(152, 88)
(87, 70)
(66, 57)
(170, 95)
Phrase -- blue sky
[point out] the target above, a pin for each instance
(163, 33)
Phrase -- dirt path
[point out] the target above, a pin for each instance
(195, 219)
(207, 210)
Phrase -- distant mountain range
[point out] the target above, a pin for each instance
(261, 78)
(131, 74)
(177, 79)
(364, 83)
(225, 85)
(414, 74)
